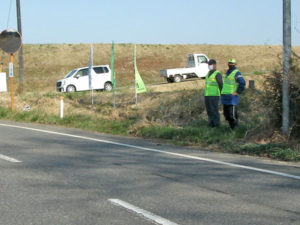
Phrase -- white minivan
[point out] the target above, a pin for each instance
(78, 79)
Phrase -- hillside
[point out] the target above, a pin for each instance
(45, 64)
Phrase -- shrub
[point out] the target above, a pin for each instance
(272, 150)
(273, 100)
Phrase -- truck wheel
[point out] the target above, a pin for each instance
(170, 80)
(71, 88)
(177, 79)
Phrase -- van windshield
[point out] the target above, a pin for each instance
(70, 74)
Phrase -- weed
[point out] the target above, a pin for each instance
(3, 113)
(258, 72)
(272, 150)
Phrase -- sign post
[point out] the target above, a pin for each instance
(11, 42)
(11, 76)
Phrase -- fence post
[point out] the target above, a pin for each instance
(251, 84)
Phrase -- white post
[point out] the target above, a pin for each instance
(61, 107)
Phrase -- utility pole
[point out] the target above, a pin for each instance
(21, 64)
(286, 65)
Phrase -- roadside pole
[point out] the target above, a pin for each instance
(11, 42)
(11, 75)
(61, 107)
(21, 63)
(286, 65)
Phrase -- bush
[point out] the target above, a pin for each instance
(273, 93)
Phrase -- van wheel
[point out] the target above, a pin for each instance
(177, 78)
(71, 88)
(108, 86)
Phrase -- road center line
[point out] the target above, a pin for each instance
(142, 212)
(4, 157)
(160, 151)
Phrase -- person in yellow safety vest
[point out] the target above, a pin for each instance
(213, 87)
(234, 85)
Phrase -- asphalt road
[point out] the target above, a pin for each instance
(59, 176)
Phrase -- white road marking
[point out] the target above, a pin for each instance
(162, 152)
(142, 212)
(9, 159)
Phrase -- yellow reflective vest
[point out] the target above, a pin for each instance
(230, 85)
(211, 85)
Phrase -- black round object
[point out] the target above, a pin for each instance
(10, 40)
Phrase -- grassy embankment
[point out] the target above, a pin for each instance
(167, 111)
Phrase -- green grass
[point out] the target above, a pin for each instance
(180, 118)
(273, 150)
(194, 135)
(84, 122)
(223, 139)
(258, 72)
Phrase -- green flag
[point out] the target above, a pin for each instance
(139, 83)
(140, 86)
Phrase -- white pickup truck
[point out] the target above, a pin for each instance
(197, 67)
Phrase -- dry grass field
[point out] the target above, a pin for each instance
(45, 64)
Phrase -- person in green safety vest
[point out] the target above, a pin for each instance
(213, 87)
(234, 85)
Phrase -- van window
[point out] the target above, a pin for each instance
(70, 74)
(83, 72)
(100, 69)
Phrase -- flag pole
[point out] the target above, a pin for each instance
(112, 66)
(135, 85)
(92, 96)
(114, 87)
(90, 74)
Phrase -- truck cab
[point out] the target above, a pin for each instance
(196, 60)
(197, 66)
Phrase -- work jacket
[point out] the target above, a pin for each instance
(234, 82)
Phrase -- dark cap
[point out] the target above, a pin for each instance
(212, 62)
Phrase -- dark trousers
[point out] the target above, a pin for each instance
(212, 109)
(231, 115)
